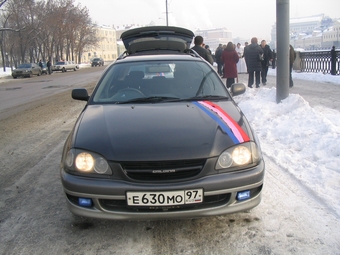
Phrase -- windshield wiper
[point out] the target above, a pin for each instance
(153, 99)
(206, 97)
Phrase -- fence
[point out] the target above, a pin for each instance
(318, 61)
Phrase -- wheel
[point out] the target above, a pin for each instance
(14, 77)
(63, 70)
(75, 69)
(39, 73)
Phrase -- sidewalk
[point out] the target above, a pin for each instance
(315, 92)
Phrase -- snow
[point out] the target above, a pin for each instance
(302, 140)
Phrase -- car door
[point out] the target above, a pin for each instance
(35, 69)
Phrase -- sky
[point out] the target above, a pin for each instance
(245, 18)
(301, 140)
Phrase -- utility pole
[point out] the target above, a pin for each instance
(166, 12)
(283, 41)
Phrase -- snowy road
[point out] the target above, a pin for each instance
(34, 219)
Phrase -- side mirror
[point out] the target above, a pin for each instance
(237, 89)
(80, 94)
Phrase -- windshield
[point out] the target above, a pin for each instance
(160, 80)
(24, 66)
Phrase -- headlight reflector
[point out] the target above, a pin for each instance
(101, 165)
(225, 160)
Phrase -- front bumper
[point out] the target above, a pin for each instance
(109, 199)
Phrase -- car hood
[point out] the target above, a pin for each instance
(163, 131)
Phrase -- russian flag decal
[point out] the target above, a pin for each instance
(230, 126)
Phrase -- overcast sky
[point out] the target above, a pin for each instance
(245, 18)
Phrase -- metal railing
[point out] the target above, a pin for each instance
(320, 61)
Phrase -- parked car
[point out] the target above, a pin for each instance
(26, 70)
(160, 147)
(44, 68)
(97, 62)
(65, 66)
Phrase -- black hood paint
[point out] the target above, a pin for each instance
(151, 132)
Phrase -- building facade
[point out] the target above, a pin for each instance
(312, 33)
(214, 37)
(106, 47)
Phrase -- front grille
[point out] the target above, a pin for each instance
(163, 170)
(208, 201)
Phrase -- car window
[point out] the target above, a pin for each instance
(175, 79)
(24, 66)
(60, 63)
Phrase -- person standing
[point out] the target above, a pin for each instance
(207, 47)
(218, 55)
(333, 61)
(267, 56)
(244, 54)
(230, 59)
(199, 48)
(274, 59)
(292, 57)
(241, 64)
(254, 63)
(48, 64)
(41, 64)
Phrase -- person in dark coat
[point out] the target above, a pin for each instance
(230, 59)
(49, 67)
(292, 57)
(244, 53)
(253, 62)
(333, 61)
(274, 59)
(267, 56)
(218, 55)
(199, 48)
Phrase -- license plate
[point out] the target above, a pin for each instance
(165, 198)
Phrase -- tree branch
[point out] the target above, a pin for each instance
(11, 29)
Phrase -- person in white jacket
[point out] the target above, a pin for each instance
(241, 64)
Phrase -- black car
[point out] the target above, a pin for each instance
(97, 62)
(161, 137)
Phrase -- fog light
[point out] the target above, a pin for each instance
(85, 202)
(243, 195)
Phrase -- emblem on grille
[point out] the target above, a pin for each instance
(167, 171)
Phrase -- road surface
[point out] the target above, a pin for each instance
(34, 218)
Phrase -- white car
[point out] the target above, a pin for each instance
(64, 66)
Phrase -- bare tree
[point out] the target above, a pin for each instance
(45, 29)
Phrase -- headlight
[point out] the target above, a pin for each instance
(86, 162)
(240, 155)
